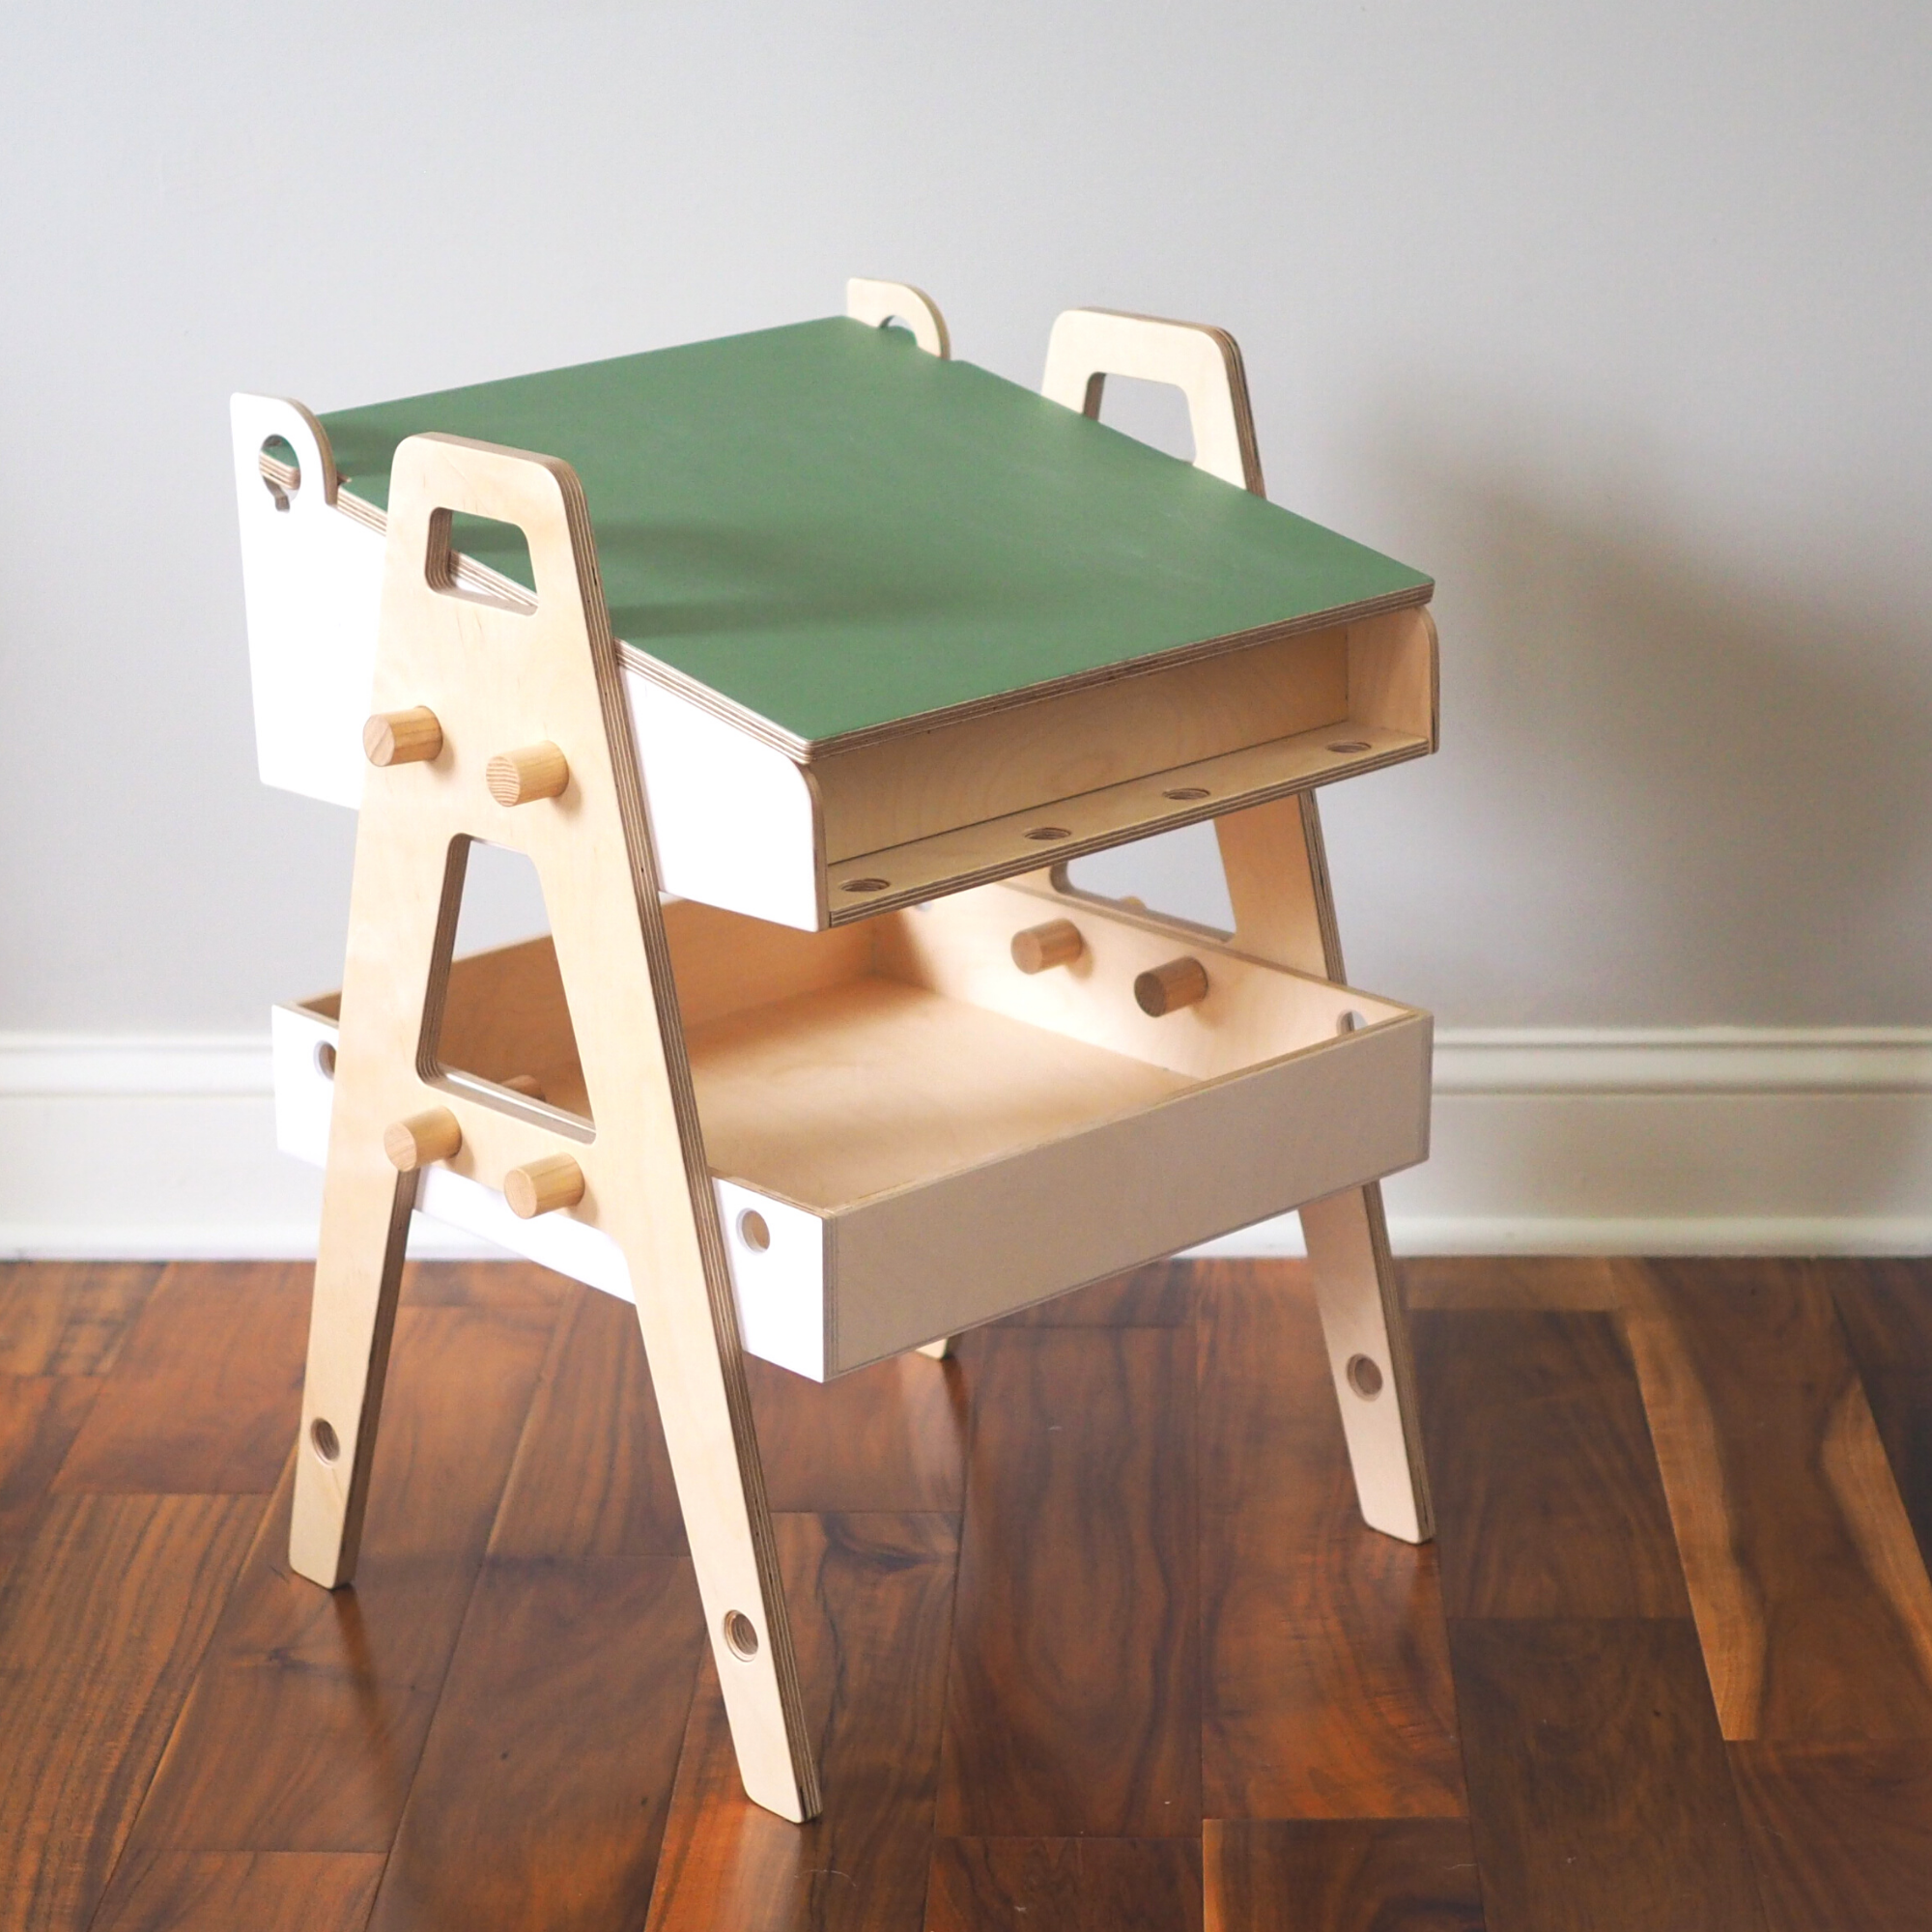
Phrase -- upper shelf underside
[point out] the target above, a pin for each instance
(826, 532)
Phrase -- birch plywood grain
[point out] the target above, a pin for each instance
(832, 532)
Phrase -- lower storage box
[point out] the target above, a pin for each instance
(909, 1134)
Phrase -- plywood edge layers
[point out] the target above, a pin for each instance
(810, 751)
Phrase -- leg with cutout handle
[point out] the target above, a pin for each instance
(1278, 880)
(502, 681)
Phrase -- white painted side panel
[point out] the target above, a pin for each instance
(732, 819)
(312, 579)
(302, 1090)
(781, 1290)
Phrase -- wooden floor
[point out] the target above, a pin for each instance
(1091, 1634)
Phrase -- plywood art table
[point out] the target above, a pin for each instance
(800, 664)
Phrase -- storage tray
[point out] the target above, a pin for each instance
(908, 1135)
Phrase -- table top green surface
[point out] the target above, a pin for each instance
(834, 532)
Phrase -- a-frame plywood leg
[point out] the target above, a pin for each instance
(1278, 881)
(544, 685)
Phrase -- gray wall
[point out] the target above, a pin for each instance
(1611, 317)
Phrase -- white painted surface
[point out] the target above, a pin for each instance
(312, 579)
(732, 818)
(1772, 1142)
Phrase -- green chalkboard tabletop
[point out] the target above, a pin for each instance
(832, 534)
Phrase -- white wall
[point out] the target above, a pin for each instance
(1614, 318)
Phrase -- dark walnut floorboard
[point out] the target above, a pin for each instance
(514, 1712)
(1546, 1493)
(543, 1784)
(1160, 1297)
(872, 1604)
(207, 1390)
(592, 1478)
(68, 1318)
(1510, 1281)
(310, 1713)
(1325, 1689)
(1841, 1833)
(1073, 1708)
(889, 1437)
(1599, 1793)
(1886, 1308)
(40, 1416)
(248, 1891)
(1072, 1885)
(1341, 1875)
(101, 1627)
(1811, 1598)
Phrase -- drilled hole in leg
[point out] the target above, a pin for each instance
(754, 1231)
(1352, 1021)
(742, 1635)
(325, 1059)
(323, 1440)
(1365, 1378)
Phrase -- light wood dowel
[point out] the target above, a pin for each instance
(527, 774)
(543, 1186)
(403, 737)
(1166, 989)
(431, 1135)
(1057, 943)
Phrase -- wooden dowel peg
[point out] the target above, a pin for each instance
(431, 1135)
(527, 1085)
(523, 775)
(1166, 989)
(543, 1186)
(403, 737)
(1057, 943)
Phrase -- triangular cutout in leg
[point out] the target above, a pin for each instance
(502, 1034)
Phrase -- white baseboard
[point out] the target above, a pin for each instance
(1699, 1141)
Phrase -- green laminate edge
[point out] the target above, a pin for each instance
(824, 529)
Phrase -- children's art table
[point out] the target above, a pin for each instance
(800, 664)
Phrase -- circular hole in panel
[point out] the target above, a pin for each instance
(1045, 834)
(1364, 1378)
(1186, 792)
(1352, 1021)
(865, 885)
(323, 1439)
(1350, 745)
(281, 473)
(752, 1231)
(742, 1635)
(325, 1059)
